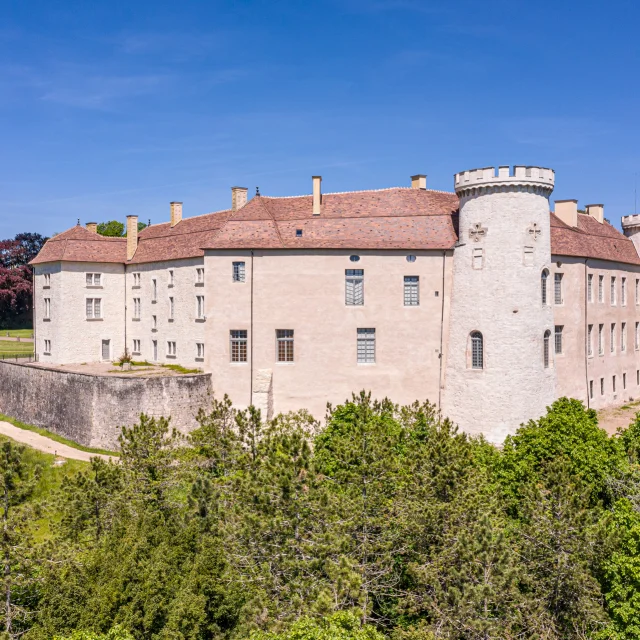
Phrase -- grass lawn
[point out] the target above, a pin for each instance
(11, 347)
(16, 333)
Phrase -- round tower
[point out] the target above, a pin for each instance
(500, 369)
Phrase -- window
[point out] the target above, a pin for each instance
(637, 336)
(613, 290)
(613, 384)
(623, 292)
(298, 233)
(47, 280)
(94, 279)
(624, 380)
(200, 307)
(136, 308)
(171, 307)
(591, 389)
(47, 308)
(637, 290)
(613, 337)
(47, 347)
(544, 278)
(154, 323)
(199, 275)
(638, 376)
(600, 288)
(590, 340)
(477, 258)
(477, 350)
(411, 258)
(200, 350)
(558, 338)
(136, 280)
(354, 286)
(171, 277)
(154, 290)
(411, 291)
(238, 345)
(601, 386)
(546, 357)
(284, 345)
(366, 346)
(171, 348)
(354, 258)
(136, 346)
(623, 337)
(600, 339)
(590, 287)
(238, 272)
(557, 282)
(94, 308)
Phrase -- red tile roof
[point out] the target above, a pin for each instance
(591, 239)
(81, 245)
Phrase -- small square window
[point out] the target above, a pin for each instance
(298, 233)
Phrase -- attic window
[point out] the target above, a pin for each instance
(298, 233)
(354, 258)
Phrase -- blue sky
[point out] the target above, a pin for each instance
(116, 108)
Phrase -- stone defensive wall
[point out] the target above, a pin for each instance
(91, 409)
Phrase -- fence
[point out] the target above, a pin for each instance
(22, 357)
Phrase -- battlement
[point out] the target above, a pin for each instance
(630, 221)
(518, 175)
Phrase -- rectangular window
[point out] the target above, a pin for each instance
(94, 308)
(354, 286)
(590, 340)
(558, 338)
(199, 349)
(136, 346)
(613, 337)
(600, 339)
(623, 292)
(600, 288)
(238, 345)
(366, 346)
(47, 347)
(638, 377)
(601, 386)
(590, 287)
(557, 281)
(613, 384)
(171, 348)
(154, 322)
(199, 275)
(136, 279)
(637, 336)
(591, 389)
(136, 308)
(613, 290)
(623, 337)
(154, 290)
(411, 291)
(47, 280)
(171, 277)
(94, 280)
(200, 307)
(284, 345)
(624, 380)
(238, 272)
(47, 308)
(637, 290)
(171, 308)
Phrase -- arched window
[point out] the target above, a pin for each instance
(546, 355)
(477, 351)
(543, 285)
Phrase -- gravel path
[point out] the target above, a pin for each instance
(47, 445)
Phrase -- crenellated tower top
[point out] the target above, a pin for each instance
(488, 180)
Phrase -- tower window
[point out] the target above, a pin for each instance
(544, 277)
(546, 355)
(477, 350)
(558, 338)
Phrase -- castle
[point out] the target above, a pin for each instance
(482, 301)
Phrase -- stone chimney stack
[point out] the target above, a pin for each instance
(567, 211)
(92, 226)
(419, 181)
(317, 194)
(238, 197)
(596, 211)
(132, 236)
(176, 213)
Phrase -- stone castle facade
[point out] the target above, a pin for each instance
(481, 300)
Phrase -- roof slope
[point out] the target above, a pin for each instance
(591, 239)
(397, 218)
(81, 245)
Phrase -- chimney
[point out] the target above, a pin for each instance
(238, 197)
(317, 194)
(596, 211)
(419, 181)
(92, 226)
(567, 211)
(176, 213)
(132, 236)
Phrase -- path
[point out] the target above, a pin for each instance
(613, 418)
(47, 445)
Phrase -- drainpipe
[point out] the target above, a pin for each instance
(444, 257)
(125, 308)
(251, 337)
(33, 314)
(586, 333)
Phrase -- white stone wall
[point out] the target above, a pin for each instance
(185, 329)
(74, 338)
(501, 300)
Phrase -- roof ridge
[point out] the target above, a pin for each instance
(200, 215)
(340, 193)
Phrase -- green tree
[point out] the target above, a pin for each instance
(116, 229)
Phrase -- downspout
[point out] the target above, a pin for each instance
(125, 309)
(444, 257)
(33, 313)
(251, 337)
(586, 333)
